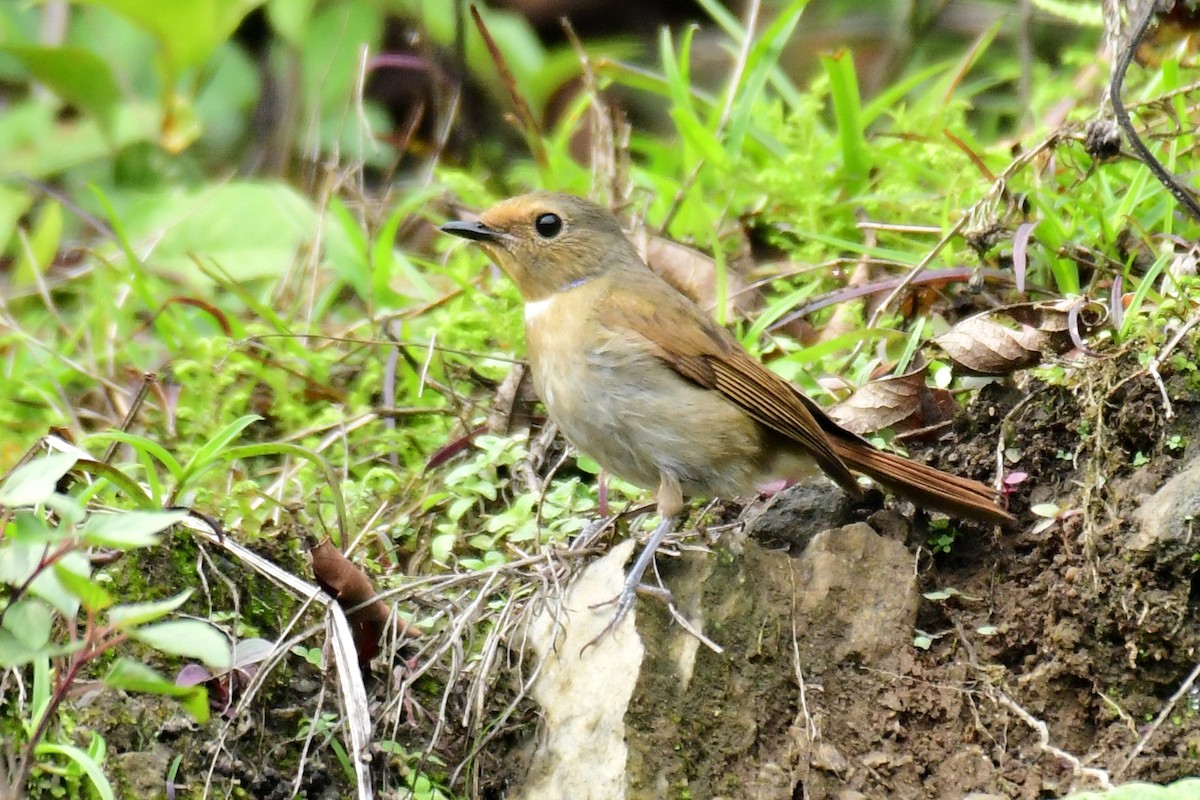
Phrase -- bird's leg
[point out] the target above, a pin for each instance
(633, 579)
(670, 504)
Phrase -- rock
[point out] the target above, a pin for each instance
(827, 757)
(142, 772)
(968, 770)
(840, 614)
(1171, 515)
(800, 512)
(625, 723)
(584, 694)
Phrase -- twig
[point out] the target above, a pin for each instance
(1161, 356)
(1099, 775)
(1043, 732)
(1177, 190)
(148, 380)
(1162, 715)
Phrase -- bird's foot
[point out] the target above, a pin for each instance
(624, 604)
(633, 578)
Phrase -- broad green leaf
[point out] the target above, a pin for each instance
(68, 509)
(189, 638)
(37, 253)
(14, 652)
(18, 560)
(29, 621)
(37, 143)
(78, 76)
(48, 586)
(331, 52)
(128, 529)
(30, 528)
(188, 30)
(34, 482)
(15, 200)
(290, 18)
(250, 230)
(133, 676)
(128, 615)
(91, 596)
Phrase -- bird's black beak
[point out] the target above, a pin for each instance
(475, 231)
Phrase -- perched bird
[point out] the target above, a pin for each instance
(647, 384)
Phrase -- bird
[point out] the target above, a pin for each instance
(646, 383)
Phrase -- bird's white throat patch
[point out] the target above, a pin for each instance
(536, 308)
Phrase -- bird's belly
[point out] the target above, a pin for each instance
(639, 419)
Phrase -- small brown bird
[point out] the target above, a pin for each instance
(643, 381)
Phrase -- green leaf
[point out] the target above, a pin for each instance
(29, 621)
(14, 203)
(145, 445)
(249, 229)
(29, 528)
(187, 30)
(441, 546)
(290, 18)
(133, 676)
(34, 482)
(43, 244)
(91, 596)
(761, 62)
(189, 638)
(847, 110)
(1186, 789)
(78, 76)
(90, 768)
(68, 509)
(14, 653)
(128, 529)
(129, 615)
(18, 560)
(48, 586)
(210, 452)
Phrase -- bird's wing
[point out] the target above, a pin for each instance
(703, 352)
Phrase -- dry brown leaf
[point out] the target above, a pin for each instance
(900, 402)
(1007, 339)
(346, 583)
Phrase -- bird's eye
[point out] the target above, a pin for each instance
(548, 225)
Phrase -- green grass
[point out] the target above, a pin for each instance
(313, 343)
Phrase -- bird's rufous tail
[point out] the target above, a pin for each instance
(923, 485)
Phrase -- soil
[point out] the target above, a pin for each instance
(1055, 624)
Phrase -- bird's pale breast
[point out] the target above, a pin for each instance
(626, 408)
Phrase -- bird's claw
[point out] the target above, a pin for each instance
(624, 604)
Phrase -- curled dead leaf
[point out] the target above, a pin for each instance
(1003, 340)
(901, 402)
(346, 583)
